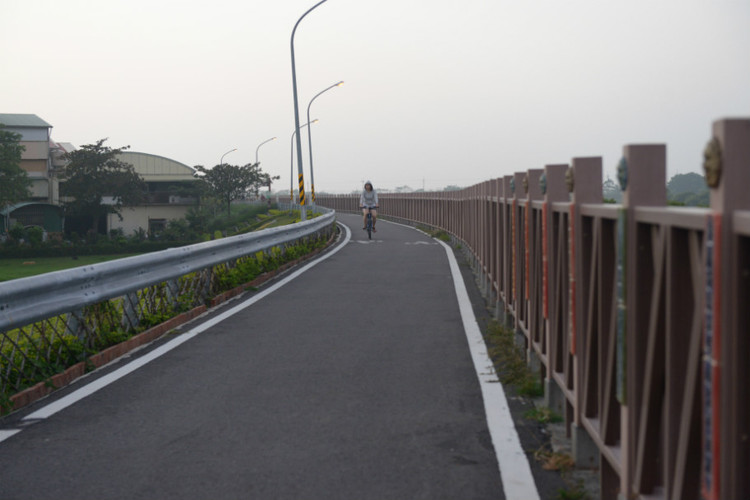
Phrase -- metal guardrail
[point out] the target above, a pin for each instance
(26, 300)
(50, 321)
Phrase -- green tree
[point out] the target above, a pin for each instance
(14, 183)
(230, 182)
(98, 183)
(611, 191)
(686, 183)
(688, 189)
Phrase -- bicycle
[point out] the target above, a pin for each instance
(369, 225)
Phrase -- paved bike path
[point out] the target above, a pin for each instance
(354, 380)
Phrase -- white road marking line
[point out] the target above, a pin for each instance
(104, 381)
(5, 434)
(515, 471)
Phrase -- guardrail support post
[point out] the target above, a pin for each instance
(207, 276)
(73, 324)
(172, 292)
(130, 318)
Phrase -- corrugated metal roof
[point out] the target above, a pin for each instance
(11, 120)
(157, 168)
(67, 147)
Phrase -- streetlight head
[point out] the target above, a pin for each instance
(340, 83)
(315, 121)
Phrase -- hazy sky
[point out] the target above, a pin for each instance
(437, 92)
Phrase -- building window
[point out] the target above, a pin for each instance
(155, 226)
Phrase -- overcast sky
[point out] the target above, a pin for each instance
(437, 92)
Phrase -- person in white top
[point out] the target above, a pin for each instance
(369, 199)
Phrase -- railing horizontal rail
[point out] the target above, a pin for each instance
(688, 218)
(604, 211)
(742, 222)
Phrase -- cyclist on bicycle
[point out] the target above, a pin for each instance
(369, 199)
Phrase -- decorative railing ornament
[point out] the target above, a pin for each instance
(622, 173)
(570, 180)
(712, 163)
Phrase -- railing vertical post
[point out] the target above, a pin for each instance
(486, 235)
(727, 166)
(531, 248)
(507, 269)
(534, 193)
(495, 242)
(556, 191)
(473, 225)
(587, 188)
(642, 174)
(518, 253)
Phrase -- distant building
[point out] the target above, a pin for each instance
(169, 182)
(40, 161)
(170, 193)
(37, 159)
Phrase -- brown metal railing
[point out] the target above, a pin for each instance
(637, 315)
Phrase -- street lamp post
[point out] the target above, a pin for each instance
(291, 168)
(303, 212)
(221, 162)
(259, 145)
(309, 139)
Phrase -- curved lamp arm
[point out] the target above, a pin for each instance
(303, 214)
(309, 139)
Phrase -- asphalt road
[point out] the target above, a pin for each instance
(352, 381)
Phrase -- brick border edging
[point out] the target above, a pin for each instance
(41, 389)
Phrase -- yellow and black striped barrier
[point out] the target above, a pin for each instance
(301, 190)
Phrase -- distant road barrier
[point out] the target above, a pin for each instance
(636, 315)
(50, 321)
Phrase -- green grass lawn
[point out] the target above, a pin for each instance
(11, 269)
